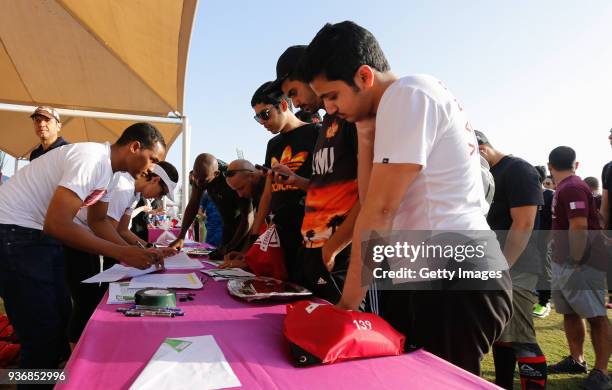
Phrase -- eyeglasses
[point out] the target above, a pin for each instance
(233, 172)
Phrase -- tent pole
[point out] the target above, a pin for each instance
(16, 165)
(185, 185)
(93, 114)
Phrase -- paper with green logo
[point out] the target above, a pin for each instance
(187, 363)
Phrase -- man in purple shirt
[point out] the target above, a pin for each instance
(578, 270)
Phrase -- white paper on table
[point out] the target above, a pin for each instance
(215, 263)
(188, 241)
(187, 363)
(165, 238)
(119, 293)
(181, 261)
(167, 281)
(227, 273)
(118, 272)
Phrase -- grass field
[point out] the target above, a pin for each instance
(552, 341)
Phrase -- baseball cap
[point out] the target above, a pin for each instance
(482, 139)
(47, 112)
(286, 64)
(159, 171)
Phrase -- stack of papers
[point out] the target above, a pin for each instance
(119, 293)
(228, 273)
(118, 272)
(167, 281)
(181, 261)
(187, 363)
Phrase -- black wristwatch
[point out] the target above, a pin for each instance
(150, 245)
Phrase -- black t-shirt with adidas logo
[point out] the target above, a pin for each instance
(293, 149)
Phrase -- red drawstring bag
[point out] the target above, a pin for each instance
(265, 257)
(321, 333)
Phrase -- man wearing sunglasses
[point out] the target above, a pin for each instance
(160, 181)
(209, 175)
(291, 146)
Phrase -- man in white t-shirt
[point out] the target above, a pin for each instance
(82, 265)
(425, 177)
(37, 209)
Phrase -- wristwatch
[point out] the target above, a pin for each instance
(150, 245)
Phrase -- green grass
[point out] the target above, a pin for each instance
(551, 338)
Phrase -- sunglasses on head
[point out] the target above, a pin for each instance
(233, 172)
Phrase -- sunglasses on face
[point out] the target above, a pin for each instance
(233, 172)
(263, 115)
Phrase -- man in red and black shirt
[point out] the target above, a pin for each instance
(579, 269)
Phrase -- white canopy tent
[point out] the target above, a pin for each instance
(103, 63)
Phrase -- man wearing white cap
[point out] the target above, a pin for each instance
(47, 125)
(82, 265)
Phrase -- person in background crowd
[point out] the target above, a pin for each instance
(514, 216)
(549, 183)
(543, 307)
(425, 176)
(579, 270)
(34, 227)
(292, 146)
(213, 221)
(82, 265)
(308, 117)
(593, 184)
(606, 214)
(235, 212)
(249, 183)
(47, 125)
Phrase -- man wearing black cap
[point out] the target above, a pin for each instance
(332, 195)
(514, 215)
(47, 125)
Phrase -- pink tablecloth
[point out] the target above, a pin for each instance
(114, 349)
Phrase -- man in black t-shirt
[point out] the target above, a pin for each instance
(514, 216)
(209, 176)
(47, 125)
(291, 146)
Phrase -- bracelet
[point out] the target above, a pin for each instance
(150, 245)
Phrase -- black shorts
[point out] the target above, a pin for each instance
(312, 273)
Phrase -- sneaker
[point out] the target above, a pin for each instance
(596, 380)
(568, 366)
(541, 311)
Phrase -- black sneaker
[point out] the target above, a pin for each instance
(596, 380)
(568, 366)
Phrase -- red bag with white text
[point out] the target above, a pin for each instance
(265, 257)
(321, 333)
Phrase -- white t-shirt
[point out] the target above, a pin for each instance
(84, 168)
(122, 198)
(420, 122)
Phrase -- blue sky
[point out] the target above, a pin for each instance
(532, 74)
